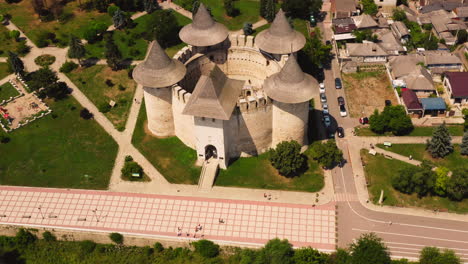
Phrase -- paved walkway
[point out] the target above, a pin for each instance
(7, 78)
(170, 217)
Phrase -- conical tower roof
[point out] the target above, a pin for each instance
(158, 70)
(280, 38)
(204, 31)
(291, 84)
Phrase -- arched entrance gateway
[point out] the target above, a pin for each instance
(210, 152)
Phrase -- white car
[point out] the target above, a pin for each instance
(343, 112)
(322, 88)
(323, 98)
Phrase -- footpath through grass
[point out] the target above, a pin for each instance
(3, 70)
(379, 172)
(130, 43)
(92, 82)
(6, 91)
(257, 172)
(418, 131)
(6, 43)
(60, 150)
(24, 17)
(172, 158)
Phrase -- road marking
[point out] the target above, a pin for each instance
(399, 234)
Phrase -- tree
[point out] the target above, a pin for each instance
(309, 256)
(399, 14)
(277, 251)
(341, 256)
(365, 34)
(85, 114)
(161, 26)
(424, 180)
(393, 118)
(263, 8)
(230, 9)
(131, 167)
(464, 144)
(369, 7)
(150, 6)
(76, 50)
(315, 54)
(440, 144)
(119, 19)
(457, 187)
(432, 255)
(112, 54)
(24, 238)
(206, 248)
(442, 179)
(369, 249)
(287, 158)
(248, 30)
(48, 236)
(95, 29)
(116, 238)
(327, 154)
(14, 34)
(462, 36)
(112, 9)
(46, 79)
(270, 10)
(15, 64)
(302, 8)
(57, 90)
(403, 180)
(377, 123)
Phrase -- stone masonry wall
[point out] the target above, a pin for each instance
(158, 108)
(290, 122)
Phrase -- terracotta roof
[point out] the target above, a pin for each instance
(204, 31)
(158, 70)
(214, 96)
(458, 82)
(291, 84)
(364, 21)
(411, 100)
(280, 37)
(343, 25)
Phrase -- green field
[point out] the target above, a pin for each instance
(257, 172)
(418, 131)
(60, 150)
(6, 43)
(130, 43)
(3, 70)
(379, 172)
(174, 160)
(24, 17)
(92, 82)
(7, 90)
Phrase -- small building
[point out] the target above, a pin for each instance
(411, 101)
(343, 27)
(388, 42)
(462, 13)
(404, 65)
(386, 6)
(344, 8)
(365, 21)
(400, 31)
(366, 52)
(456, 84)
(419, 80)
(433, 106)
(438, 62)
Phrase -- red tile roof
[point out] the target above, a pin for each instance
(459, 83)
(411, 100)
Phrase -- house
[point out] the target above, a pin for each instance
(411, 102)
(388, 42)
(419, 80)
(456, 85)
(438, 62)
(365, 21)
(462, 13)
(344, 8)
(444, 24)
(410, 13)
(366, 52)
(386, 6)
(383, 22)
(343, 27)
(404, 65)
(400, 31)
(433, 106)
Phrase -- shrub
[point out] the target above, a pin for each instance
(158, 247)
(131, 167)
(85, 114)
(116, 238)
(104, 107)
(109, 83)
(68, 67)
(128, 158)
(22, 48)
(287, 158)
(327, 154)
(14, 34)
(24, 238)
(206, 248)
(48, 236)
(121, 87)
(44, 60)
(392, 118)
(87, 246)
(4, 139)
(111, 10)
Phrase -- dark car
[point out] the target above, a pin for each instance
(340, 132)
(340, 100)
(388, 103)
(338, 83)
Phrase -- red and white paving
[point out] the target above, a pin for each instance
(245, 222)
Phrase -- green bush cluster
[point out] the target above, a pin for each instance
(392, 119)
(68, 67)
(287, 158)
(44, 60)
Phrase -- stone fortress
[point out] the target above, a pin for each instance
(228, 95)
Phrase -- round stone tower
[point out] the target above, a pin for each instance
(157, 74)
(291, 89)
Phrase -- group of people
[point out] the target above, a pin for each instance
(267, 196)
(197, 228)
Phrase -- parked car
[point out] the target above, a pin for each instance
(323, 98)
(340, 100)
(325, 109)
(364, 120)
(340, 132)
(338, 83)
(326, 120)
(322, 87)
(343, 112)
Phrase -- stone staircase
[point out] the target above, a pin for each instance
(208, 175)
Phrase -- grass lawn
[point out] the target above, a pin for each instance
(3, 70)
(418, 131)
(92, 82)
(257, 172)
(7, 90)
(379, 172)
(367, 91)
(174, 160)
(130, 43)
(6, 44)
(418, 151)
(26, 19)
(260, 29)
(59, 152)
(249, 12)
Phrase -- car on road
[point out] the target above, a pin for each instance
(340, 132)
(340, 100)
(326, 120)
(322, 87)
(338, 83)
(323, 98)
(343, 112)
(325, 110)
